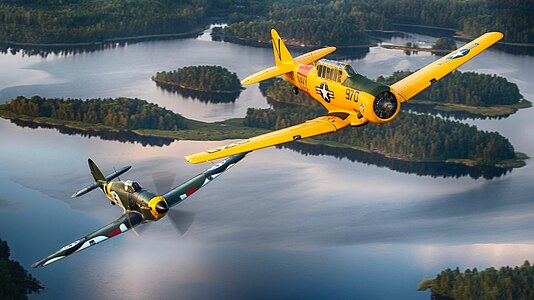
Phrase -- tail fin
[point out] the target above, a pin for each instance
(95, 171)
(283, 59)
(281, 54)
(99, 178)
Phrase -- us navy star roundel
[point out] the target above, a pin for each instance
(324, 92)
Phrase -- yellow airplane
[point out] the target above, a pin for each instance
(350, 98)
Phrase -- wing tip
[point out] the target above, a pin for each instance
(194, 158)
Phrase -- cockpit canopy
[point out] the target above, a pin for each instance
(132, 186)
(333, 70)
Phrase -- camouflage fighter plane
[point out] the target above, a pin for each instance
(350, 98)
(139, 205)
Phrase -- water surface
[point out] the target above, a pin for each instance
(278, 225)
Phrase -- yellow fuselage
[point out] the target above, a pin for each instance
(330, 84)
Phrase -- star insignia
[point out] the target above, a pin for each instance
(325, 93)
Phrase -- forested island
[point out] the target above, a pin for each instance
(119, 113)
(505, 283)
(212, 79)
(410, 137)
(335, 22)
(480, 95)
(15, 281)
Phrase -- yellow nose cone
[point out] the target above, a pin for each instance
(158, 207)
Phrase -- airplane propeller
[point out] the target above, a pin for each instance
(180, 219)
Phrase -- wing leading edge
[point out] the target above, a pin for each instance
(420, 80)
(317, 126)
(124, 223)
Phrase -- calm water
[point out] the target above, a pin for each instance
(278, 225)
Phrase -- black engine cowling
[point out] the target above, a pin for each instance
(385, 105)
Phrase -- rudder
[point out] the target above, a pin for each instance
(281, 54)
(95, 171)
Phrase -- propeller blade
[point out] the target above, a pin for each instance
(181, 219)
(163, 181)
(137, 230)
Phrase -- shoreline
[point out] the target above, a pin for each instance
(482, 111)
(232, 129)
(137, 38)
(291, 45)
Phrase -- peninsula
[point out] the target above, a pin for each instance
(15, 281)
(504, 283)
(479, 95)
(405, 139)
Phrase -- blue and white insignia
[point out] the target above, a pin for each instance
(70, 245)
(325, 93)
(459, 53)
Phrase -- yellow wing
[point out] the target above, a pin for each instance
(420, 80)
(317, 126)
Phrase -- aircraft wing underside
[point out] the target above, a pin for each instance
(124, 223)
(317, 126)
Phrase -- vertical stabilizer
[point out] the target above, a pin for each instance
(95, 171)
(281, 54)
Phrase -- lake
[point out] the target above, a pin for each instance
(279, 224)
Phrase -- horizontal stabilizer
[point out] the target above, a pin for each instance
(99, 178)
(308, 58)
(85, 190)
(118, 173)
(266, 74)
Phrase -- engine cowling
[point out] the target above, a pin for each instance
(383, 108)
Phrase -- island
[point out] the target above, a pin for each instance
(410, 137)
(505, 283)
(119, 116)
(15, 281)
(466, 94)
(206, 83)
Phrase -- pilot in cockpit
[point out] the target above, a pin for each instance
(350, 71)
(132, 186)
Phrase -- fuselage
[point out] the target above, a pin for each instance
(131, 196)
(341, 90)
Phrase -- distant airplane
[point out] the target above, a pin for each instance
(350, 98)
(139, 205)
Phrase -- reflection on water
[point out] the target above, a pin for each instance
(121, 136)
(433, 169)
(199, 95)
(73, 49)
(279, 224)
(45, 52)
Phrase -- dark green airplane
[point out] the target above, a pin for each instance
(139, 205)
